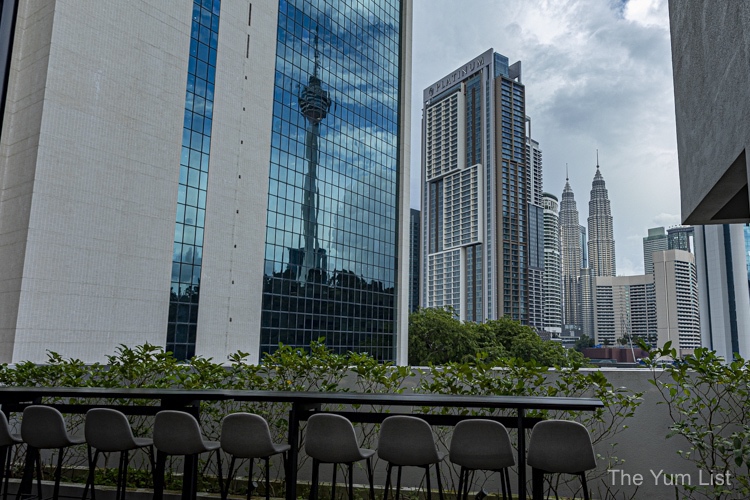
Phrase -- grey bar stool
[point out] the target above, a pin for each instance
(409, 441)
(107, 430)
(246, 436)
(481, 444)
(178, 433)
(559, 446)
(43, 428)
(7, 441)
(330, 439)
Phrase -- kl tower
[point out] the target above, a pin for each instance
(314, 104)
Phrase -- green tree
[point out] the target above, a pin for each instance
(583, 342)
(437, 337)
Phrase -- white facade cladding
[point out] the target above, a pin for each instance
(451, 227)
(677, 305)
(552, 299)
(475, 256)
(92, 152)
(625, 308)
(536, 238)
(723, 289)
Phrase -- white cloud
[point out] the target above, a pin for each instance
(598, 75)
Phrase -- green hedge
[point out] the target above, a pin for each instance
(319, 369)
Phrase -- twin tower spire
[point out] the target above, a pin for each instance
(583, 259)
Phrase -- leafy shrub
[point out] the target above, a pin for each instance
(320, 369)
(708, 399)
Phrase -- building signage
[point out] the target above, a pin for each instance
(460, 74)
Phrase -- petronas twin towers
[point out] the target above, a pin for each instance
(582, 260)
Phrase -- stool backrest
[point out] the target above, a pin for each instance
(6, 439)
(561, 446)
(406, 440)
(331, 438)
(246, 435)
(108, 430)
(177, 433)
(43, 427)
(481, 444)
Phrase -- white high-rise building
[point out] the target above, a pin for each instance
(205, 176)
(476, 198)
(656, 241)
(625, 308)
(552, 267)
(676, 288)
(720, 257)
(536, 233)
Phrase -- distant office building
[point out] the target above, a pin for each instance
(721, 261)
(536, 233)
(475, 202)
(601, 235)
(570, 255)
(415, 253)
(204, 176)
(552, 298)
(656, 241)
(625, 309)
(677, 306)
(681, 238)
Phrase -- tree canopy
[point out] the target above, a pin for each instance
(437, 337)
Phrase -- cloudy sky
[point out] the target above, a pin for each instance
(598, 75)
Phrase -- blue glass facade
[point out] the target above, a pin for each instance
(330, 253)
(191, 200)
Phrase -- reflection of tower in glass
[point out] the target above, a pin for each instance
(314, 104)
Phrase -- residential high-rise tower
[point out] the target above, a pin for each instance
(475, 194)
(677, 304)
(552, 293)
(536, 233)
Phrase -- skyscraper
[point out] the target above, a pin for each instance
(570, 255)
(681, 238)
(475, 195)
(415, 257)
(677, 305)
(625, 308)
(244, 158)
(536, 233)
(552, 298)
(656, 241)
(601, 236)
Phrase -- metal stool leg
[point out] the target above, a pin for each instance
(439, 481)
(585, 486)
(427, 477)
(351, 481)
(333, 483)
(387, 480)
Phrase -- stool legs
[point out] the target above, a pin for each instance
(585, 487)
